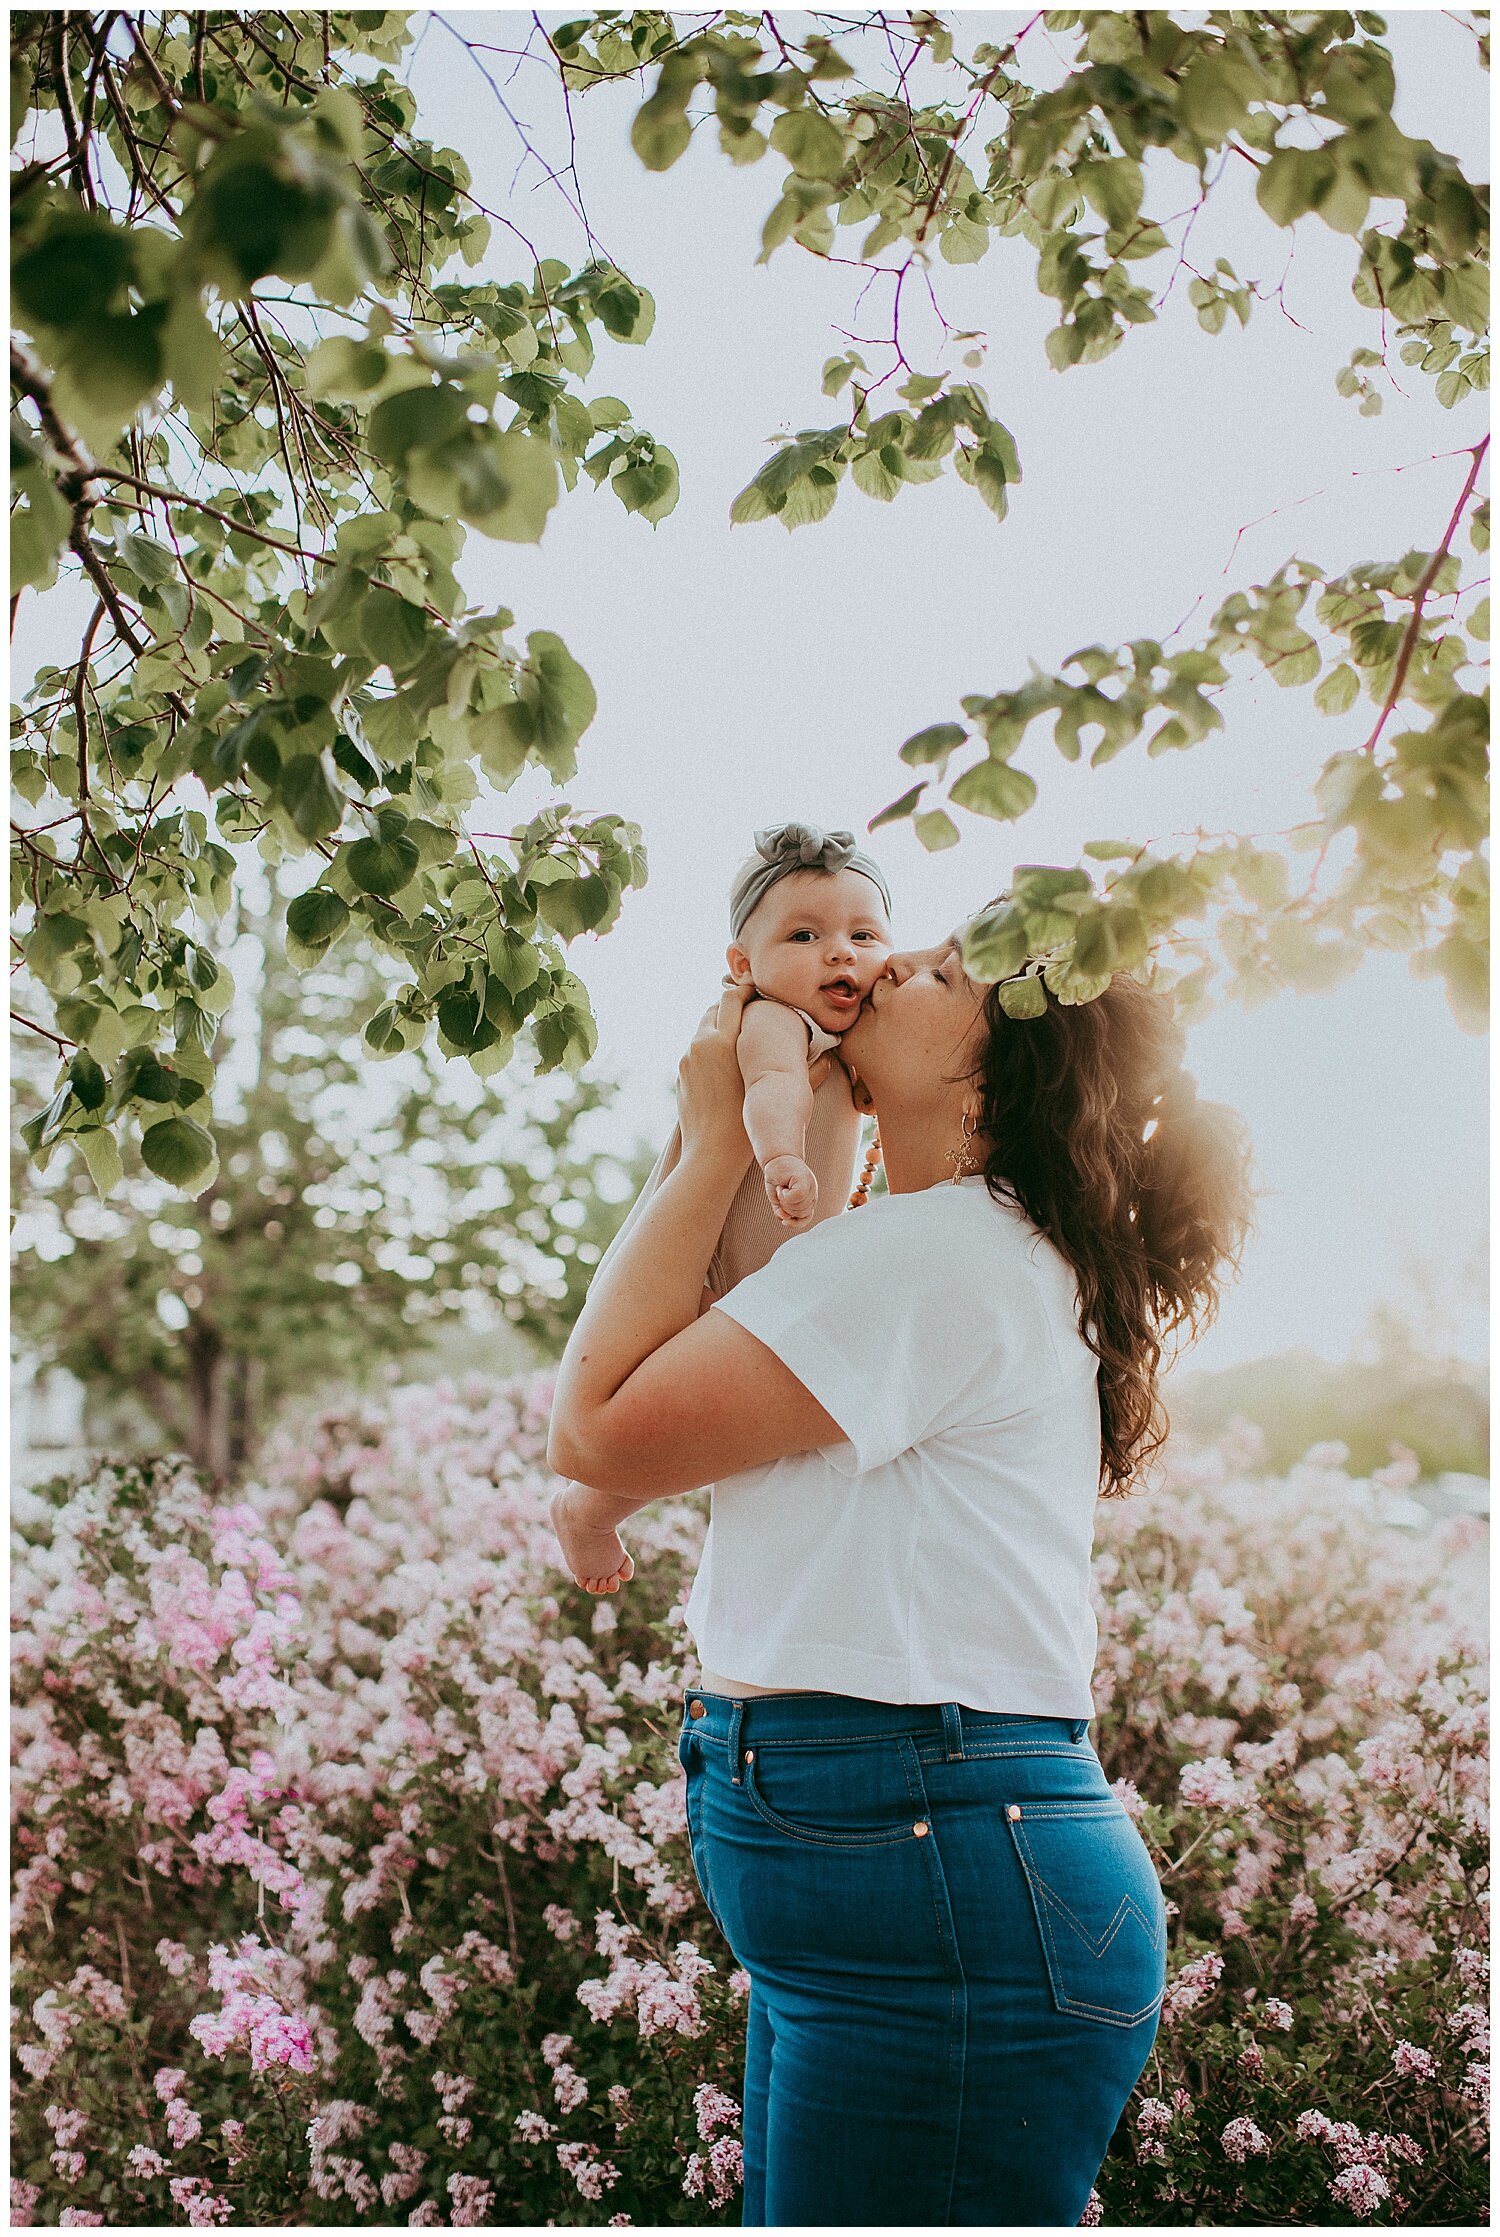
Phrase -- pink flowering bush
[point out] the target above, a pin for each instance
(352, 1881)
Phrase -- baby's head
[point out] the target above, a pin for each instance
(810, 921)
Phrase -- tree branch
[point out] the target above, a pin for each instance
(1414, 626)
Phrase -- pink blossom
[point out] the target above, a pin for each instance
(532, 2128)
(1197, 1979)
(1241, 2139)
(184, 2126)
(713, 2110)
(560, 1922)
(473, 2200)
(201, 2203)
(23, 2202)
(1153, 2118)
(142, 2160)
(1277, 2013)
(168, 2083)
(593, 2175)
(1251, 2061)
(1361, 2189)
(1209, 1785)
(1412, 2063)
(78, 2217)
(1128, 1794)
(1093, 2212)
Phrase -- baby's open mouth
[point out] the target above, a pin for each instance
(840, 990)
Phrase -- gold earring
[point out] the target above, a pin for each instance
(962, 1158)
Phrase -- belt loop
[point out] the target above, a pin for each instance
(953, 1732)
(736, 1718)
(1080, 1727)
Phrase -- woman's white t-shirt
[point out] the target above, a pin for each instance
(941, 1553)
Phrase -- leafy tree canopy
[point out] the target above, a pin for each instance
(274, 361)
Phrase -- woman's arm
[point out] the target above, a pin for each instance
(650, 1400)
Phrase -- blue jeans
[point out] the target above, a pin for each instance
(956, 1943)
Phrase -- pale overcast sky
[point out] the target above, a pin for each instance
(746, 676)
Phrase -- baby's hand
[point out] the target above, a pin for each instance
(792, 1187)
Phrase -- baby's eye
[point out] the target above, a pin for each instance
(875, 936)
(799, 935)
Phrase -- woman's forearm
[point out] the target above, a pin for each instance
(648, 1293)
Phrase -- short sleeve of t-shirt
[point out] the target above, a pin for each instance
(903, 1319)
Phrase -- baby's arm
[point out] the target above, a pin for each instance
(778, 1104)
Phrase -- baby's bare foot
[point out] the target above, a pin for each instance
(792, 1187)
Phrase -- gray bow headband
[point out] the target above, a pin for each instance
(796, 846)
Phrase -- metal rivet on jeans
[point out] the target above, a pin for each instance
(920, 1827)
(1014, 1811)
(749, 1755)
(697, 1709)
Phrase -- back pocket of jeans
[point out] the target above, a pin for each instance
(1098, 1906)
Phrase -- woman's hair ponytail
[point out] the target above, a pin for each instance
(1097, 1132)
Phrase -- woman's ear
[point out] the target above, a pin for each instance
(739, 964)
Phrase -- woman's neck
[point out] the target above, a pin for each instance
(920, 1148)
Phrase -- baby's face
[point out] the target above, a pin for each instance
(818, 941)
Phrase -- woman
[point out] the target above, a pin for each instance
(955, 1936)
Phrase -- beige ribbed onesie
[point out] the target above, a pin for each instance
(752, 1232)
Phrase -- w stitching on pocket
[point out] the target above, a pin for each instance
(1046, 1901)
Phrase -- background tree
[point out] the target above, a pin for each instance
(258, 410)
(343, 1228)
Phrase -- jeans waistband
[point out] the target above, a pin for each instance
(731, 1720)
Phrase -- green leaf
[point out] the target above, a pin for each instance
(995, 945)
(1338, 690)
(416, 418)
(39, 527)
(936, 830)
(509, 483)
(75, 274)
(462, 1020)
(101, 1154)
(1292, 182)
(934, 744)
(811, 144)
(179, 1150)
(316, 918)
(994, 788)
(89, 1085)
(110, 369)
(313, 802)
(1023, 998)
(661, 132)
(1114, 189)
(898, 810)
(393, 633)
(382, 866)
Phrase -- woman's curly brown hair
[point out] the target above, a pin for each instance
(1095, 1131)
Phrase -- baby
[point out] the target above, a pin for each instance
(809, 918)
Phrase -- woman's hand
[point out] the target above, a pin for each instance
(710, 1086)
(590, 1542)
